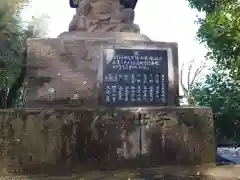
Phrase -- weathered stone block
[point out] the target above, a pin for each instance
(59, 70)
(35, 140)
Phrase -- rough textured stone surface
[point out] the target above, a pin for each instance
(104, 36)
(162, 173)
(36, 140)
(103, 16)
(58, 69)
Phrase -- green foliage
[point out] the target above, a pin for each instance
(209, 6)
(222, 93)
(220, 31)
(203, 5)
(13, 36)
(11, 47)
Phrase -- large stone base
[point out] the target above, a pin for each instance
(60, 140)
(67, 65)
(58, 69)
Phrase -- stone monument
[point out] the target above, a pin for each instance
(105, 72)
(104, 16)
(73, 58)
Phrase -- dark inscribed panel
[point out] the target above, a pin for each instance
(136, 77)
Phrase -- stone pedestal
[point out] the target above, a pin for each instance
(63, 79)
(69, 127)
(44, 141)
(64, 72)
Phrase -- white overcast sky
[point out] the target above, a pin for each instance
(161, 20)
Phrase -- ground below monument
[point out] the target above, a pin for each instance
(228, 172)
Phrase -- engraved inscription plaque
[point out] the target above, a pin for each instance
(135, 77)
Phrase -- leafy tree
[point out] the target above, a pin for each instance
(220, 31)
(222, 93)
(13, 36)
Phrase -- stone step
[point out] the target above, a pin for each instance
(229, 172)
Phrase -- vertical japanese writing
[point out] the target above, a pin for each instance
(120, 93)
(145, 91)
(157, 93)
(114, 93)
(145, 78)
(163, 89)
(133, 96)
(126, 77)
(138, 92)
(151, 93)
(136, 77)
(133, 79)
(157, 78)
(108, 93)
(151, 78)
(126, 94)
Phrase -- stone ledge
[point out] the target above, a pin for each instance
(77, 35)
(35, 139)
(131, 109)
(174, 173)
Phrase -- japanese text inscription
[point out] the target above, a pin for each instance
(136, 78)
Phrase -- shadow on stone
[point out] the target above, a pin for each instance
(81, 140)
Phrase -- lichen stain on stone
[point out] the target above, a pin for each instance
(34, 140)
